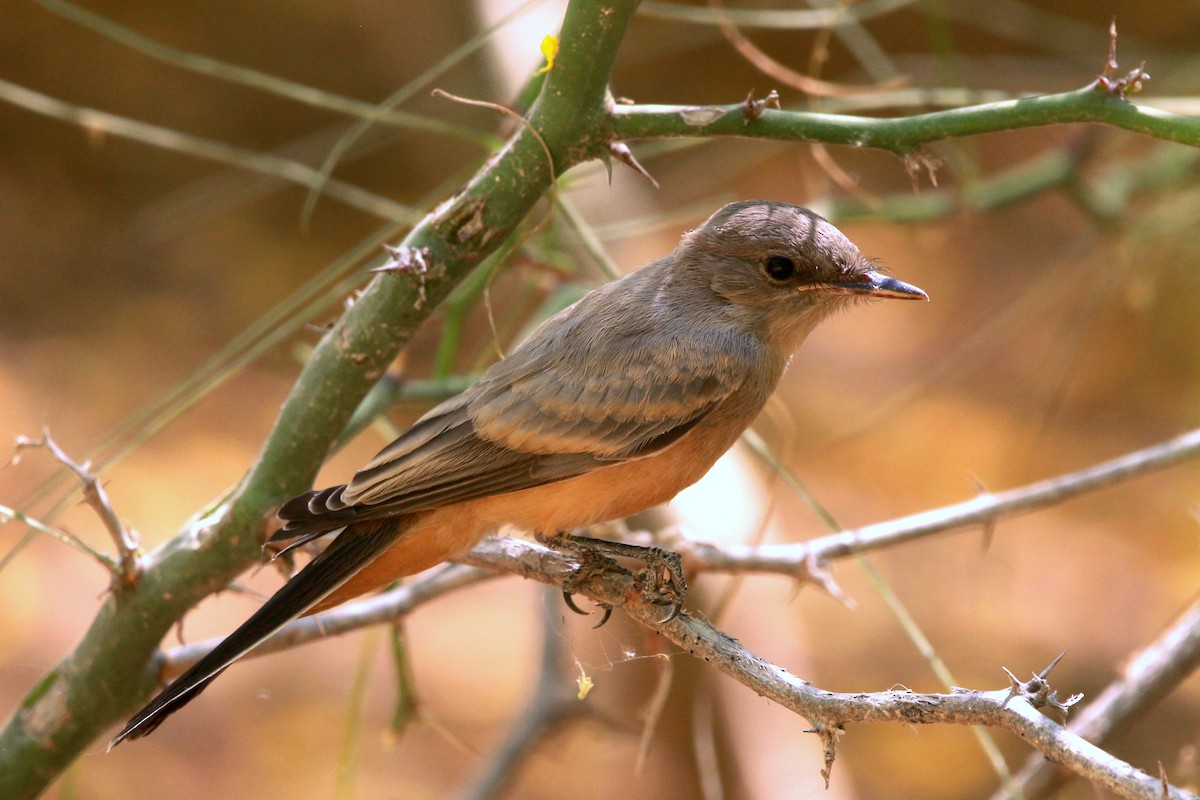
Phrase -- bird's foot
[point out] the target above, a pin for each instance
(591, 563)
(661, 581)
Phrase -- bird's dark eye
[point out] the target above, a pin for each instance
(779, 268)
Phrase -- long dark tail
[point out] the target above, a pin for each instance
(347, 554)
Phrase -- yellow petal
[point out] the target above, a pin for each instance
(549, 50)
(584, 682)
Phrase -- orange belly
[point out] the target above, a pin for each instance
(604, 494)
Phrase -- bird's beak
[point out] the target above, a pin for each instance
(876, 284)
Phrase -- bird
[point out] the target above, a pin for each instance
(610, 407)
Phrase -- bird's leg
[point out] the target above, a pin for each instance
(662, 580)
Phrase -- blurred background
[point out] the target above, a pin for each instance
(1063, 330)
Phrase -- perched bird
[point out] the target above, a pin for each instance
(612, 406)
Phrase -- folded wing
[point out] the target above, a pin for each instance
(530, 421)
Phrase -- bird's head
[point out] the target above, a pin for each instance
(783, 267)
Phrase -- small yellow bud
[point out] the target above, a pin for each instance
(549, 50)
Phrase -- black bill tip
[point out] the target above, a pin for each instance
(876, 284)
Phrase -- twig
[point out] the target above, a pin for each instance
(794, 559)
(900, 135)
(1148, 677)
(126, 570)
(788, 19)
(234, 73)
(66, 537)
(829, 712)
(1122, 87)
(403, 94)
(102, 122)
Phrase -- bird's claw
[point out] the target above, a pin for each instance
(661, 582)
(569, 599)
(590, 563)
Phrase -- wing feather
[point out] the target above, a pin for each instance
(537, 418)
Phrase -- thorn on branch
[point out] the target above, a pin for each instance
(409, 261)
(1108, 81)
(1110, 65)
(829, 738)
(918, 161)
(815, 571)
(621, 152)
(127, 568)
(989, 524)
(1037, 691)
(753, 109)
